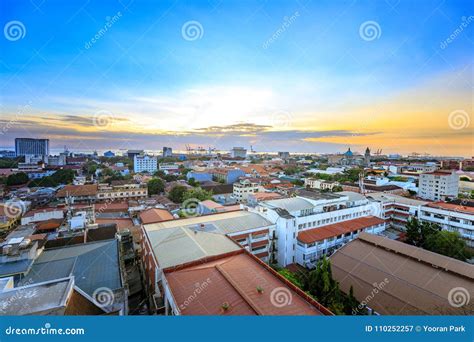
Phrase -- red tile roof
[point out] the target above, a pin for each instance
(108, 207)
(234, 279)
(78, 190)
(121, 223)
(451, 207)
(332, 230)
(155, 215)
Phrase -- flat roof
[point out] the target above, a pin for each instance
(383, 196)
(178, 245)
(234, 279)
(335, 229)
(410, 280)
(37, 298)
(290, 204)
(223, 223)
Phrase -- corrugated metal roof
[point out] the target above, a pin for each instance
(178, 245)
(93, 265)
(225, 223)
(408, 280)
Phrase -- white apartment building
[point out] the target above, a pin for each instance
(320, 184)
(313, 244)
(438, 184)
(451, 217)
(395, 209)
(145, 164)
(243, 188)
(310, 210)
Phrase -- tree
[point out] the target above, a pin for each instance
(156, 186)
(192, 182)
(418, 232)
(17, 179)
(176, 194)
(198, 193)
(448, 243)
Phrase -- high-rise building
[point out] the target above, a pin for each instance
(238, 152)
(29, 146)
(438, 184)
(167, 152)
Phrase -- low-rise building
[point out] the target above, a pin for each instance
(122, 191)
(243, 188)
(79, 193)
(319, 184)
(315, 243)
(452, 217)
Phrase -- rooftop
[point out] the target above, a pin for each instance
(386, 197)
(78, 190)
(451, 207)
(179, 245)
(36, 299)
(223, 223)
(415, 281)
(335, 229)
(290, 204)
(94, 264)
(234, 279)
(155, 215)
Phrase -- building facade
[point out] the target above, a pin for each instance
(28, 146)
(437, 185)
(145, 164)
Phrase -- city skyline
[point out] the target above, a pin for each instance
(293, 76)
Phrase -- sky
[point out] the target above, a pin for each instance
(298, 76)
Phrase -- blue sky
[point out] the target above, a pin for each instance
(319, 72)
